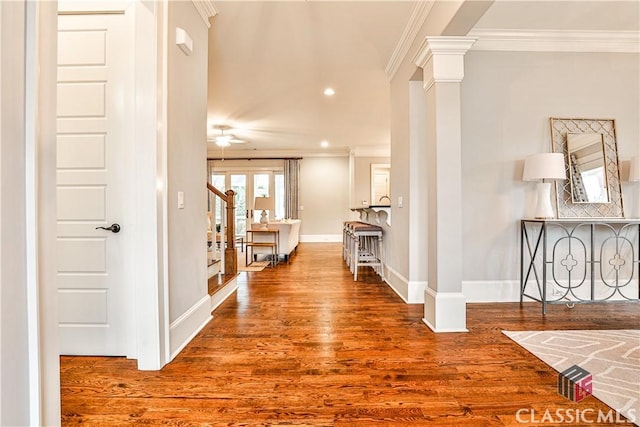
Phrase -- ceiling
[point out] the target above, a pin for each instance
(572, 15)
(270, 61)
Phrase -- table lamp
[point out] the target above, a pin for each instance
(264, 204)
(541, 167)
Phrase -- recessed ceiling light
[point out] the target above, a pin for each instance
(329, 91)
(324, 144)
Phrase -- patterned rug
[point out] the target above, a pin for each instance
(254, 266)
(612, 357)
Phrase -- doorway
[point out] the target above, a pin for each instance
(248, 185)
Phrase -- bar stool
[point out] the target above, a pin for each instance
(347, 240)
(366, 248)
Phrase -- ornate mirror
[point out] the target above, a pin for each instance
(591, 158)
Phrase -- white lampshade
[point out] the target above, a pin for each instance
(264, 204)
(544, 166)
(634, 170)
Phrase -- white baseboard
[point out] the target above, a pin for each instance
(445, 311)
(186, 327)
(411, 292)
(321, 238)
(491, 290)
(475, 291)
(397, 283)
(222, 295)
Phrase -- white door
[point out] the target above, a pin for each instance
(93, 166)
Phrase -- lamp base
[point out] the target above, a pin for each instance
(544, 210)
(264, 222)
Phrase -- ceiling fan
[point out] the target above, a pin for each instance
(225, 139)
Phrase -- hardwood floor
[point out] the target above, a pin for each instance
(302, 344)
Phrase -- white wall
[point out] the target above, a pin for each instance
(508, 98)
(187, 173)
(324, 193)
(397, 236)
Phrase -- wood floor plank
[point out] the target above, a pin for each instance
(302, 344)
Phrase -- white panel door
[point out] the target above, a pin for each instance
(93, 278)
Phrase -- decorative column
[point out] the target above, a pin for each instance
(442, 61)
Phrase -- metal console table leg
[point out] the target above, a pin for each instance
(583, 260)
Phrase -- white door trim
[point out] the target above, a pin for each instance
(151, 308)
(40, 25)
(31, 213)
(149, 317)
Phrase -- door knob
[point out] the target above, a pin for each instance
(114, 228)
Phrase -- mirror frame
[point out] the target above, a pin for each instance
(566, 208)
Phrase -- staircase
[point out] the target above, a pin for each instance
(213, 268)
(222, 263)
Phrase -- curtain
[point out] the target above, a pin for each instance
(291, 176)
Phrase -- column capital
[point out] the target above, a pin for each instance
(442, 59)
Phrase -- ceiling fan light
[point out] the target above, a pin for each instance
(223, 139)
(235, 140)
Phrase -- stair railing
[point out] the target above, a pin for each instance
(229, 238)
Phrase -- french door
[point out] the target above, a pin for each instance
(248, 186)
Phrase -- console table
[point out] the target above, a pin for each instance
(271, 242)
(577, 260)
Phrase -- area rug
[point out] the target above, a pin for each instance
(254, 266)
(611, 356)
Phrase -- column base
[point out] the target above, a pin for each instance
(445, 311)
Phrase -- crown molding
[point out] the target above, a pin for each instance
(556, 41)
(213, 151)
(442, 59)
(206, 9)
(416, 20)
(442, 45)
